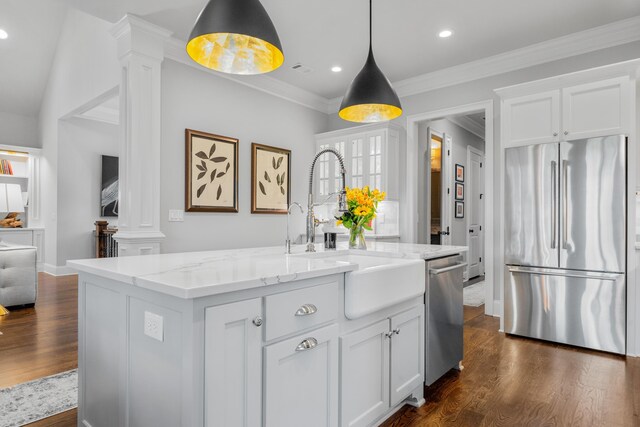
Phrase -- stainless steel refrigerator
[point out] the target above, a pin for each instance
(565, 242)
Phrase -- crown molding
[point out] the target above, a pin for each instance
(597, 38)
(467, 124)
(174, 49)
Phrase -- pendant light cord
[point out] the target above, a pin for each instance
(370, 26)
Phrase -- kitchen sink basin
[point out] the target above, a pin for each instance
(379, 281)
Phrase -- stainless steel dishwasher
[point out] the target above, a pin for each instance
(444, 316)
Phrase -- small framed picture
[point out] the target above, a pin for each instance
(459, 173)
(459, 209)
(459, 191)
(211, 171)
(270, 179)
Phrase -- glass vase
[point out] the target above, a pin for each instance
(356, 238)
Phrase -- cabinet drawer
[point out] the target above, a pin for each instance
(315, 305)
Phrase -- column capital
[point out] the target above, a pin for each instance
(137, 36)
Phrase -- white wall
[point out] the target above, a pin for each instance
(82, 144)
(85, 66)
(17, 129)
(461, 139)
(198, 100)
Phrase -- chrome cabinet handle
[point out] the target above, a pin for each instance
(307, 344)
(257, 321)
(392, 333)
(554, 219)
(306, 310)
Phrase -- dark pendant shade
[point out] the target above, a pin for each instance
(370, 98)
(236, 37)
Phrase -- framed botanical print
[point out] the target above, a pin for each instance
(459, 173)
(459, 191)
(459, 209)
(211, 172)
(270, 179)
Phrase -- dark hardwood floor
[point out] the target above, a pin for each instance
(510, 381)
(42, 340)
(507, 381)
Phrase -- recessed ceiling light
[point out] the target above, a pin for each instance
(445, 33)
(3, 34)
(336, 69)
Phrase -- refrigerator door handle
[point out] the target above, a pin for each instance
(578, 274)
(565, 190)
(554, 217)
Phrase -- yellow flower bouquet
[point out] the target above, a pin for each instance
(362, 204)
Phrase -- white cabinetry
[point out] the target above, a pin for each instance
(299, 374)
(532, 119)
(571, 112)
(596, 109)
(233, 364)
(380, 366)
(371, 157)
(364, 363)
(301, 380)
(407, 353)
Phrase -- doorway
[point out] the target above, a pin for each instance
(416, 205)
(475, 221)
(438, 156)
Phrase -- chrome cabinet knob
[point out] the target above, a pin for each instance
(306, 310)
(555, 134)
(258, 321)
(396, 331)
(307, 344)
(388, 334)
(566, 132)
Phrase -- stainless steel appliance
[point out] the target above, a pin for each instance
(565, 242)
(444, 317)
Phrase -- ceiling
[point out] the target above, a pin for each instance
(26, 55)
(321, 34)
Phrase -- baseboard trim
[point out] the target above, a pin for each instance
(55, 270)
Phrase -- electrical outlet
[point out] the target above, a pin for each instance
(176, 215)
(153, 326)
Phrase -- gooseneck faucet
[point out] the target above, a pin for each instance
(342, 196)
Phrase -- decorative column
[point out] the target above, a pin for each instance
(140, 51)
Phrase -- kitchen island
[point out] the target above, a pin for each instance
(253, 336)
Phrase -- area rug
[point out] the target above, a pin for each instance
(32, 401)
(474, 295)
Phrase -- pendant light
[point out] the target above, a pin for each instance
(235, 37)
(370, 98)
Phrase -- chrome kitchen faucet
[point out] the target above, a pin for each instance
(312, 222)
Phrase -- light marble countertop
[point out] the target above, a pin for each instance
(198, 274)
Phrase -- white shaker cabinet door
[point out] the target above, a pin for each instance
(596, 109)
(365, 375)
(407, 353)
(532, 119)
(233, 364)
(301, 380)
